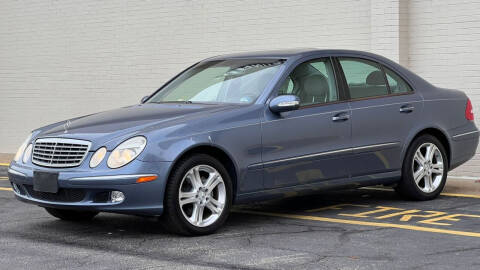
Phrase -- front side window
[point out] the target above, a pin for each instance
(313, 82)
(364, 78)
(222, 81)
(397, 84)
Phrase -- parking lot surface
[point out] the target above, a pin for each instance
(369, 228)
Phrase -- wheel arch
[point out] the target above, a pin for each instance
(217, 152)
(437, 133)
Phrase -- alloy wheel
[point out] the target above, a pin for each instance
(202, 195)
(428, 167)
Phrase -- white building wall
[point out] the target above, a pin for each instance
(61, 59)
(384, 28)
(444, 48)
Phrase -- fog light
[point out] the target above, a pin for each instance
(117, 196)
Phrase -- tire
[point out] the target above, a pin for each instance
(183, 180)
(71, 215)
(424, 189)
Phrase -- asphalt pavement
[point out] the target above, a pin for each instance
(350, 229)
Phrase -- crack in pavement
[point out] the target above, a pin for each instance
(453, 251)
(97, 246)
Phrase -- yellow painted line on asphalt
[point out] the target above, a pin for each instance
(2, 178)
(4, 164)
(461, 195)
(6, 188)
(363, 223)
(442, 194)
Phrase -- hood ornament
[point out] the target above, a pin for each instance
(67, 125)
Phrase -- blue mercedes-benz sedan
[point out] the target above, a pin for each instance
(248, 127)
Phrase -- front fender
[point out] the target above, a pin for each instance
(241, 144)
(171, 150)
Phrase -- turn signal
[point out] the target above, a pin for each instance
(146, 179)
(98, 157)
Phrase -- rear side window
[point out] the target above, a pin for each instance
(364, 78)
(313, 82)
(397, 84)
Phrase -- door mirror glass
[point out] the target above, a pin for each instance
(144, 99)
(284, 103)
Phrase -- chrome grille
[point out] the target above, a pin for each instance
(59, 153)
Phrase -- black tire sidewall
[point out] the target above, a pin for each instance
(408, 186)
(173, 215)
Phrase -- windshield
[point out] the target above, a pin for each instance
(223, 81)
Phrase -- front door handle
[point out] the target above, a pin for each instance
(340, 117)
(406, 108)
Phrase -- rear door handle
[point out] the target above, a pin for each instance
(407, 109)
(340, 117)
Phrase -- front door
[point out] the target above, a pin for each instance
(309, 144)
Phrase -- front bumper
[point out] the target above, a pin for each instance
(88, 189)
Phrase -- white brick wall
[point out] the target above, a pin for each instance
(384, 27)
(61, 59)
(444, 48)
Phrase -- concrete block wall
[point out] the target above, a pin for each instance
(444, 48)
(62, 59)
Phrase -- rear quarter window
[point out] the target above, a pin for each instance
(396, 83)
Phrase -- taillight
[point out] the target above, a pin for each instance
(469, 111)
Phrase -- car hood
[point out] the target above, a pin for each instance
(101, 128)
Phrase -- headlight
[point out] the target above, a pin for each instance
(27, 153)
(98, 157)
(20, 151)
(126, 152)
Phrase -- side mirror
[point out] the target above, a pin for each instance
(284, 103)
(144, 99)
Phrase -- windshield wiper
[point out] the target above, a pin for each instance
(161, 102)
(191, 102)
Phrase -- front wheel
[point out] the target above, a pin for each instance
(425, 169)
(198, 196)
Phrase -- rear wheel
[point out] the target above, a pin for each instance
(198, 196)
(71, 215)
(425, 169)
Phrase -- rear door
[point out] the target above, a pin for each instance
(384, 108)
(309, 144)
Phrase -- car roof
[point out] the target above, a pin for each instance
(289, 53)
(299, 53)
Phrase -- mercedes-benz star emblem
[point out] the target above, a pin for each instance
(66, 126)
